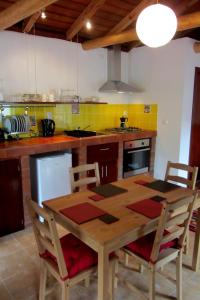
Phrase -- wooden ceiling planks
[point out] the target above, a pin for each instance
(62, 14)
(20, 10)
(185, 22)
(85, 15)
(130, 17)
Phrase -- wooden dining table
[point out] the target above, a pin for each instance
(106, 238)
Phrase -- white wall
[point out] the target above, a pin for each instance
(167, 75)
(31, 64)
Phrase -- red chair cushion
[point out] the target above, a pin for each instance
(143, 246)
(77, 255)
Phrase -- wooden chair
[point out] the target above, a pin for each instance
(84, 170)
(68, 259)
(158, 248)
(190, 181)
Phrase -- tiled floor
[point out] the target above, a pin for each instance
(19, 274)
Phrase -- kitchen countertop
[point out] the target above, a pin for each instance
(36, 145)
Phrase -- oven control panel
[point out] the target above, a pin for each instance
(137, 144)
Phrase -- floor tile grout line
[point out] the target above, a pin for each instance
(9, 293)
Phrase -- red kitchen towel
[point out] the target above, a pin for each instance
(96, 197)
(147, 207)
(82, 212)
(141, 182)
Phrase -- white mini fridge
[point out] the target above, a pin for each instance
(50, 176)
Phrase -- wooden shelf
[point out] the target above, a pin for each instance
(40, 103)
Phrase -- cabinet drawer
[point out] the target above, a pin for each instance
(103, 152)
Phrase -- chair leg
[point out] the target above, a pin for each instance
(112, 278)
(43, 281)
(179, 276)
(87, 282)
(152, 291)
(141, 268)
(115, 273)
(126, 259)
(186, 247)
(64, 291)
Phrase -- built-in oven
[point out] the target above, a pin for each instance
(136, 157)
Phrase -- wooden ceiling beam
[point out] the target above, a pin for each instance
(28, 24)
(183, 6)
(21, 10)
(130, 17)
(185, 22)
(87, 13)
(179, 10)
(196, 47)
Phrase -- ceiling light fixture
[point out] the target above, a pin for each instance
(156, 25)
(88, 25)
(43, 15)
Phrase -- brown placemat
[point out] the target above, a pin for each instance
(162, 186)
(108, 190)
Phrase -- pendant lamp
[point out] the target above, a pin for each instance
(156, 25)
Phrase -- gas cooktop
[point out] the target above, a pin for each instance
(123, 130)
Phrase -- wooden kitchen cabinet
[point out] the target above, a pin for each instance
(107, 157)
(11, 201)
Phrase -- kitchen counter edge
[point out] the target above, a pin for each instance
(31, 146)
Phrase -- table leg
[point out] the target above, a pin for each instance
(103, 275)
(196, 252)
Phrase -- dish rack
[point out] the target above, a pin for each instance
(16, 124)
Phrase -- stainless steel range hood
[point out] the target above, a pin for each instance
(114, 83)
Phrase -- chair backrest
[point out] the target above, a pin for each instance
(190, 181)
(173, 226)
(83, 170)
(46, 235)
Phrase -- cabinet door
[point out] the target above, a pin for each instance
(11, 203)
(108, 171)
(106, 155)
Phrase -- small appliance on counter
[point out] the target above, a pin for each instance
(123, 121)
(48, 127)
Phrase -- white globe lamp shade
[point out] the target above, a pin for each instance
(156, 25)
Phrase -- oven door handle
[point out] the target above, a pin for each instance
(140, 150)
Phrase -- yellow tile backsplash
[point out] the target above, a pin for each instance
(97, 116)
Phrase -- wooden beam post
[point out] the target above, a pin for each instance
(196, 47)
(130, 17)
(184, 23)
(86, 14)
(30, 22)
(21, 10)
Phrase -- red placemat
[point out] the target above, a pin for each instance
(96, 197)
(141, 182)
(147, 207)
(83, 212)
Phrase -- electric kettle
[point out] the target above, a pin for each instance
(48, 127)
